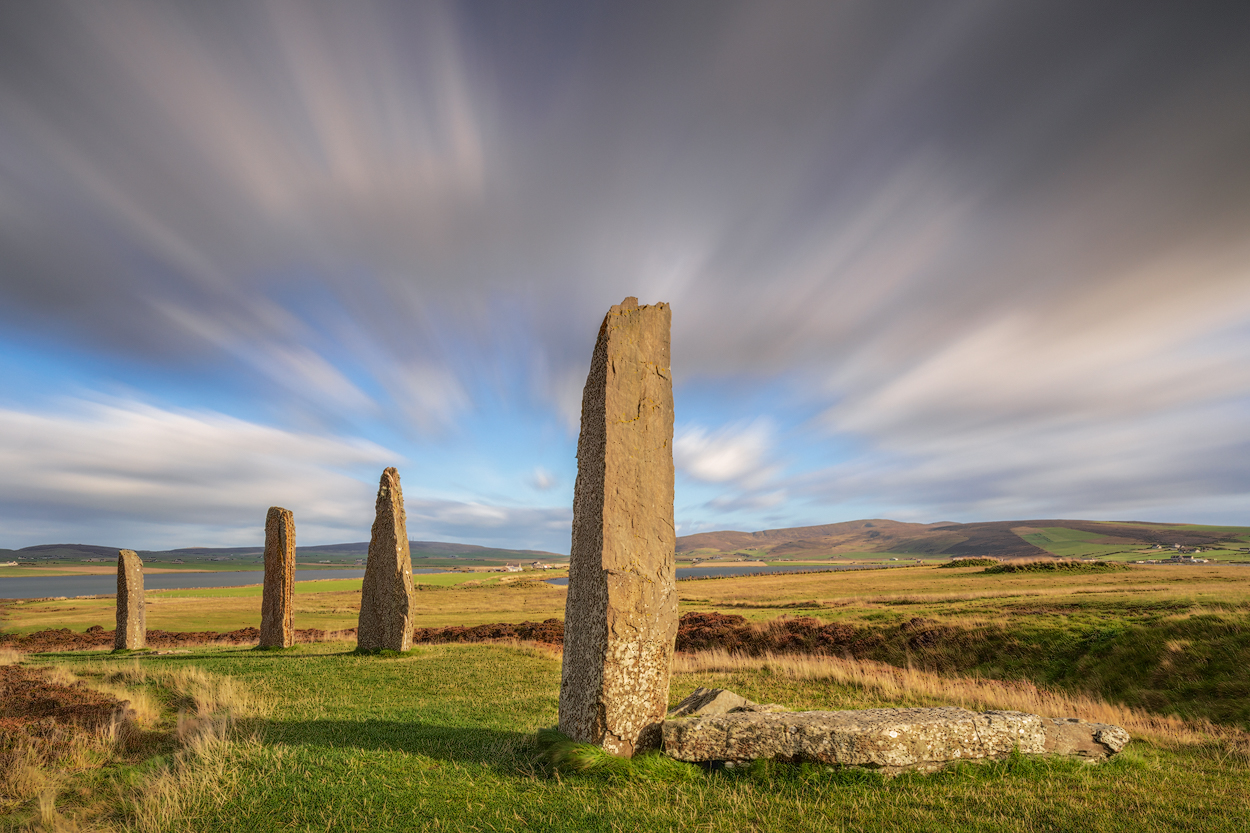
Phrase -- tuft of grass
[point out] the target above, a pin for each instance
(60, 675)
(568, 756)
(205, 770)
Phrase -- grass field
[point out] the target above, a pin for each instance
(1171, 639)
(334, 604)
(443, 739)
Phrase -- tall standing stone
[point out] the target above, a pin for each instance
(276, 629)
(386, 599)
(131, 624)
(620, 618)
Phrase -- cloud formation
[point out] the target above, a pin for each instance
(153, 477)
(999, 250)
(731, 453)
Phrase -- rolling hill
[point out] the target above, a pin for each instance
(420, 549)
(1004, 539)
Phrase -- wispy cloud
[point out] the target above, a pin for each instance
(1002, 277)
(153, 477)
(732, 453)
(543, 480)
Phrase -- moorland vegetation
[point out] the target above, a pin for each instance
(447, 735)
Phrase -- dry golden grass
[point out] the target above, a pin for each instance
(973, 597)
(207, 731)
(474, 604)
(37, 778)
(852, 594)
(206, 769)
(908, 684)
(205, 726)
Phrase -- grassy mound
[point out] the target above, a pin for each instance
(970, 562)
(1061, 565)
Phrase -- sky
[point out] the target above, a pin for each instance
(927, 261)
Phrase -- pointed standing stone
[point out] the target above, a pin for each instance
(386, 599)
(131, 625)
(276, 629)
(620, 618)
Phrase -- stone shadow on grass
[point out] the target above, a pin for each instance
(503, 750)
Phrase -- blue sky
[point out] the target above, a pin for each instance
(927, 261)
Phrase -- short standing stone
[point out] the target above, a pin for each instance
(621, 612)
(276, 629)
(131, 624)
(386, 599)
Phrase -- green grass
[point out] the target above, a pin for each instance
(1168, 639)
(1076, 543)
(19, 572)
(333, 585)
(447, 738)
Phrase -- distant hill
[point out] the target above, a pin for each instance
(67, 551)
(1007, 539)
(361, 548)
(420, 549)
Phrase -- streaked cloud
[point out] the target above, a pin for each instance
(542, 480)
(999, 250)
(731, 453)
(153, 477)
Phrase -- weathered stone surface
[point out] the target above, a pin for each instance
(1095, 741)
(708, 701)
(386, 599)
(891, 740)
(887, 739)
(621, 612)
(276, 626)
(131, 622)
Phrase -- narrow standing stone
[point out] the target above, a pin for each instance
(131, 625)
(276, 630)
(386, 599)
(620, 617)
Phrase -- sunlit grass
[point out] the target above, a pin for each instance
(448, 738)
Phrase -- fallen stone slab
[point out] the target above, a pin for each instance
(706, 701)
(889, 740)
(1094, 741)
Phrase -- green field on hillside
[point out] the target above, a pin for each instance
(1076, 543)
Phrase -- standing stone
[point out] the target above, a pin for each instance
(386, 599)
(131, 625)
(620, 617)
(276, 630)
